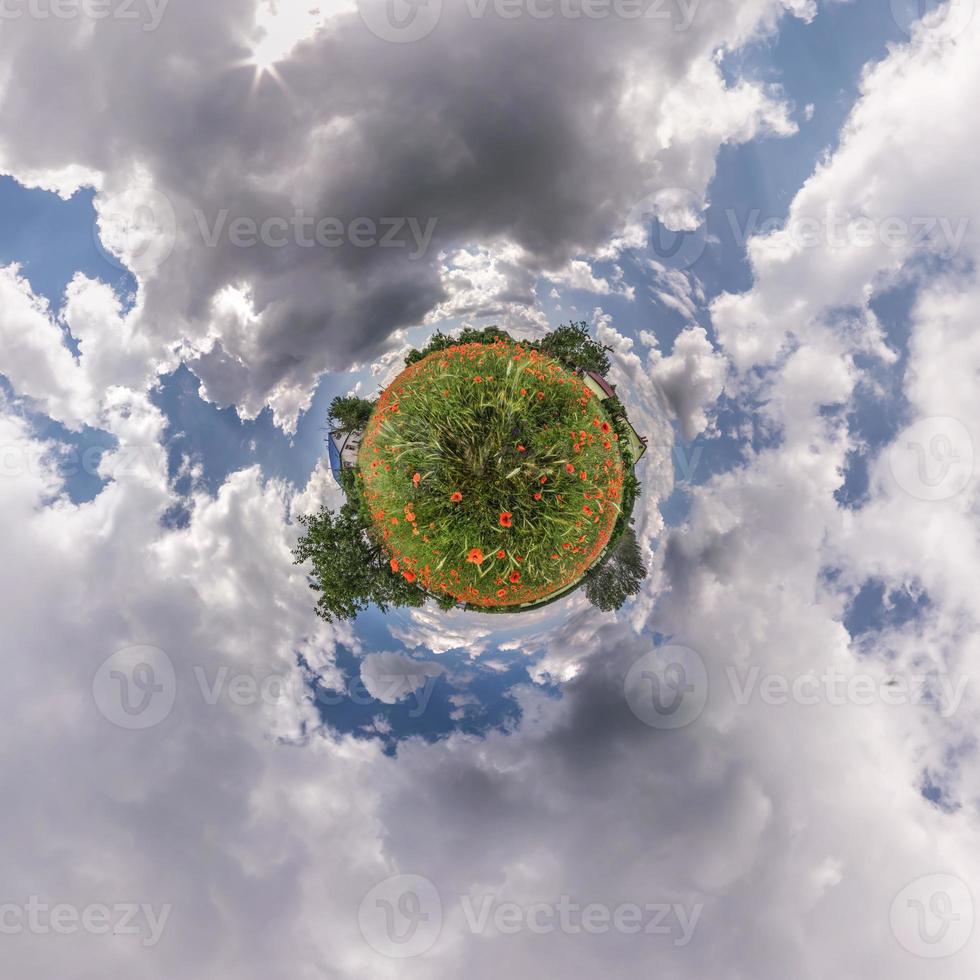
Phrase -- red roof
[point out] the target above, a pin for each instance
(602, 383)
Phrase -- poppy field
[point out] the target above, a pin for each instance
(492, 474)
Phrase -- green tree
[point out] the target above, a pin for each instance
(350, 413)
(349, 571)
(468, 335)
(619, 576)
(574, 346)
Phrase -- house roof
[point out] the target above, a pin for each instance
(607, 388)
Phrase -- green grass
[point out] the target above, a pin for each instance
(511, 432)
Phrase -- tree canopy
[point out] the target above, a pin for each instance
(573, 345)
(349, 571)
(618, 577)
(349, 413)
(468, 335)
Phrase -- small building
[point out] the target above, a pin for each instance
(603, 389)
(608, 391)
(342, 448)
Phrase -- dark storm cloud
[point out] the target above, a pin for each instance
(537, 134)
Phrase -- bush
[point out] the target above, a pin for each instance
(620, 575)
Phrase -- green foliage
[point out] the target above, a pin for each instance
(349, 571)
(619, 576)
(573, 345)
(350, 414)
(631, 493)
(440, 341)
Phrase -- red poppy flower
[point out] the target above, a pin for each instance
(569, 468)
(394, 564)
(605, 427)
(409, 577)
(417, 478)
(475, 557)
(521, 449)
(506, 519)
(515, 576)
(501, 554)
(543, 480)
(456, 497)
(501, 593)
(587, 510)
(537, 496)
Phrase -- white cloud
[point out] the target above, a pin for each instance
(392, 677)
(691, 378)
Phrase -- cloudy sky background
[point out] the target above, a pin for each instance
(769, 210)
